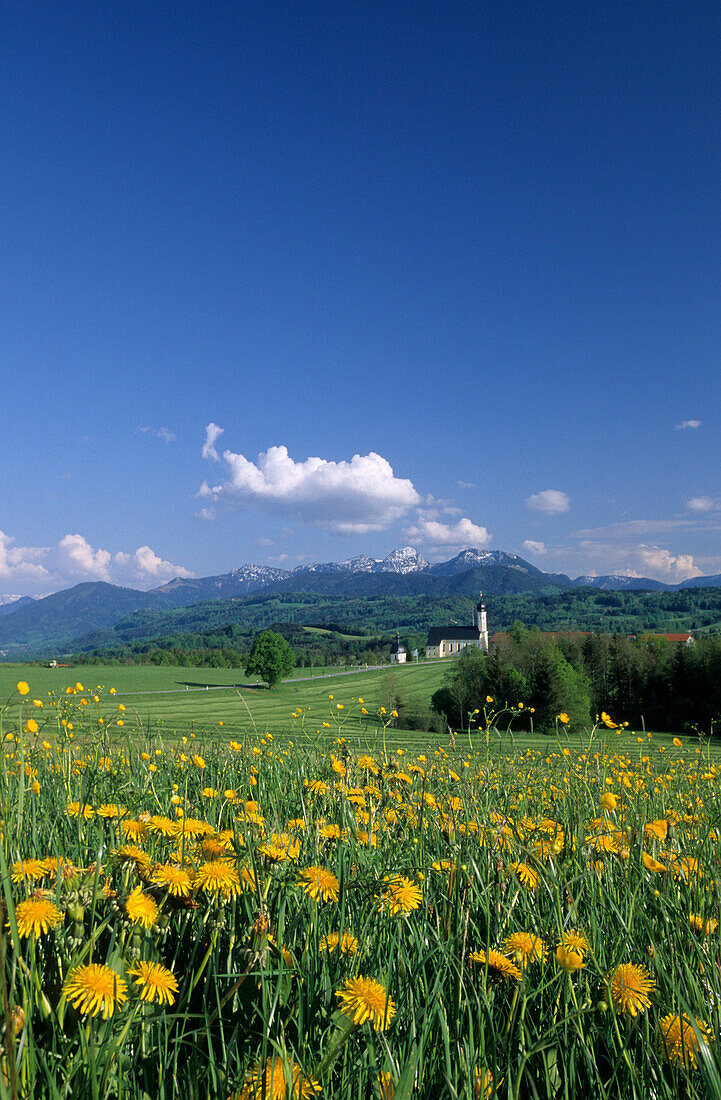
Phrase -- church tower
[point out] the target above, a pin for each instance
(480, 622)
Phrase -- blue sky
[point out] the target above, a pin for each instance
(475, 245)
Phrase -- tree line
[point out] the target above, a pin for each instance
(648, 681)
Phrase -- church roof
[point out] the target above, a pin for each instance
(398, 647)
(438, 634)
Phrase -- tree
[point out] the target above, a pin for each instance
(271, 658)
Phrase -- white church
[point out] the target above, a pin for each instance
(446, 640)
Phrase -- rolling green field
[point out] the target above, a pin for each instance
(170, 700)
(214, 705)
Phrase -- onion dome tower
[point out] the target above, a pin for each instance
(480, 621)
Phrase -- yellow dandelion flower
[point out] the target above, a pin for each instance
(400, 896)
(319, 882)
(178, 881)
(132, 855)
(630, 988)
(526, 947)
(134, 830)
(704, 927)
(22, 687)
(344, 942)
(574, 941)
(156, 982)
(497, 964)
(77, 809)
(568, 959)
(366, 999)
(95, 988)
(36, 915)
(658, 830)
(686, 867)
(652, 864)
(194, 828)
(218, 876)
(163, 826)
(273, 1082)
(31, 726)
(111, 809)
(526, 874)
(28, 870)
(679, 1039)
(141, 908)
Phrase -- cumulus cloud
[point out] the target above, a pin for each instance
(145, 565)
(639, 560)
(550, 501)
(532, 546)
(702, 504)
(163, 434)
(679, 567)
(21, 562)
(347, 497)
(439, 535)
(74, 559)
(685, 424)
(212, 434)
(78, 556)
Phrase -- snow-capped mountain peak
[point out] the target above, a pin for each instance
(405, 560)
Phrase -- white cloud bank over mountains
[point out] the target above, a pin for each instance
(439, 536)
(73, 559)
(350, 497)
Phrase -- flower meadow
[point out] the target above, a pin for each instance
(305, 916)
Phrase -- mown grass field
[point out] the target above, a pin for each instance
(175, 702)
(178, 701)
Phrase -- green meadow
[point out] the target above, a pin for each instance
(315, 705)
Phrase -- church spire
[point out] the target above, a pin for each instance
(480, 621)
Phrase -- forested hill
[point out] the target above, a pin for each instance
(223, 624)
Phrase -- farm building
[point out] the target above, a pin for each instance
(445, 640)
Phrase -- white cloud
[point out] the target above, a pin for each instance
(145, 565)
(164, 434)
(685, 424)
(74, 559)
(206, 514)
(676, 567)
(21, 562)
(78, 556)
(347, 497)
(702, 504)
(551, 501)
(636, 560)
(532, 546)
(466, 485)
(212, 434)
(462, 534)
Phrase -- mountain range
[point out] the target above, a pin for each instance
(58, 619)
